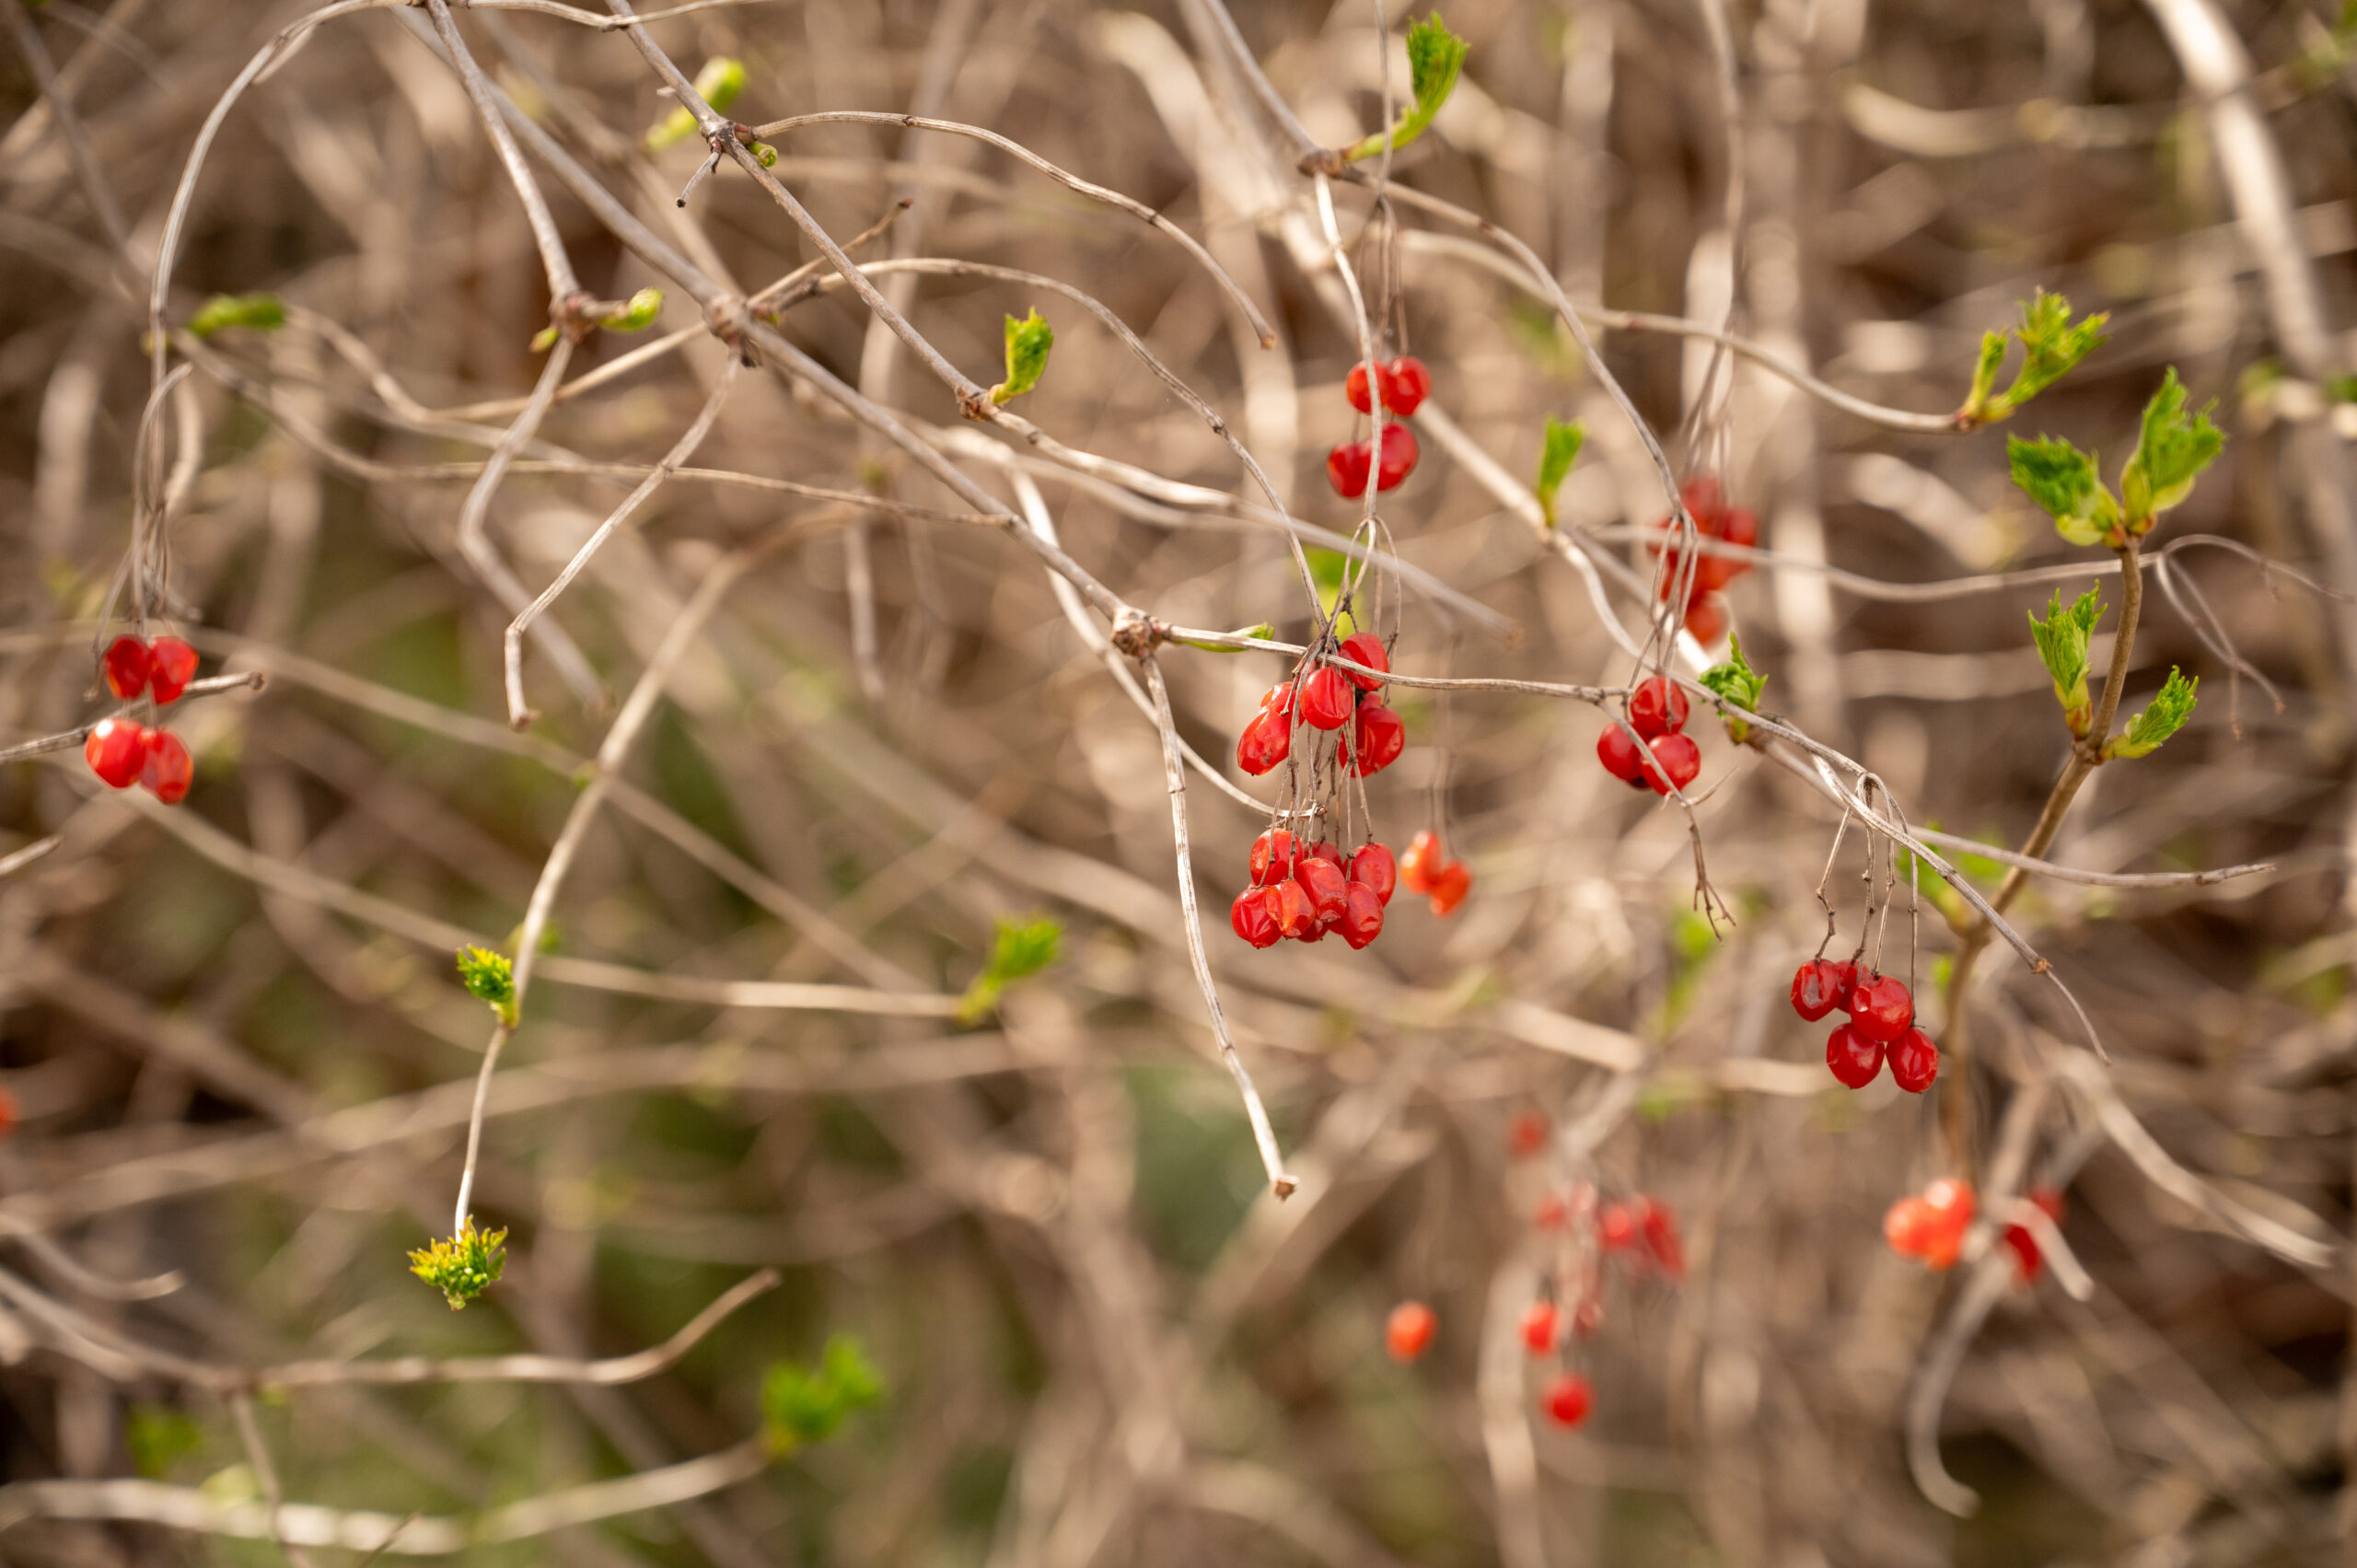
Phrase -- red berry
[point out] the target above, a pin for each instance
(1704, 499)
(1656, 708)
(125, 666)
(1329, 893)
(1273, 856)
(1410, 1331)
(1373, 868)
(1366, 649)
(1706, 617)
(1377, 739)
(1278, 699)
(1399, 455)
(1567, 1399)
(1406, 385)
(1322, 850)
(1525, 1134)
(171, 664)
(1450, 885)
(1362, 920)
(1616, 1226)
(166, 769)
(1621, 755)
(1854, 1058)
(1295, 918)
(116, 749)
(1817, 989)
(7, 1113)
(1422, 862)
(1355, 389)
(1678, 756)
(1328, 699)
(1539, 1326)
(1318, 930)
(1845, 981)
(2027, 1259)
(1254, 916)
(1265, 741)
(1914, 1060)
(1739, 525)
(1347, 467)
(1906, 1223)
(1880, 1008)
(1949, 1207)
(1659, 1226)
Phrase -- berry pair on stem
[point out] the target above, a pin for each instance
(1667, 757)
(123, 753)
(1329, 698)
(1429, 870)
(1405, 383)
(1704, 607)
(1304, 890)
(1881, 1026)
(132, 667)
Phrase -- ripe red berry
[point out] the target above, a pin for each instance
(1254, 916)
(1706, 617)
(166, 769)
(171, 664)
(1525, 1134)
(8, 1113)
(1450, 885)
(1948, 1207)
(1377, 739)
(1567, 1399)
(1906, 1223)
(1656, 708)
(1853, 1057)
(1328, 699)
(1422, 862)
(1278, 699)
(1324, 851)
(116, 749)
(1373, 868)
(1621, 755)
(1678, 756)
(2027, 1259)
(1914, 1060)
(1347, 467)
(1366, 649)
(1659, 1227)
(1616, 1226)
(1329, 891)
(1355, 389)
(1362, 920)
(1410, 1331)
(1295, 918)
(1539, 1328)
(1405, 384)
(1398, 459)
(125, 666)
(1881, 1008)
(1265, 741)
(1817, 989)
(1705, 499)
(1273, 856)
(1739, 525)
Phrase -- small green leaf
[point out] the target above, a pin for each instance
(1027, 342)
(1022, 948)
(2170, 453)
(1436, 58)
(2171, 706)
(1739, 683)
(1558, 450)
(263, 312)
(1984, 375)
(808, 1404)
(462, 1267)
(2062, 638)
(2063, 479)
(2052, 344)
(489, 978)
(718, 84)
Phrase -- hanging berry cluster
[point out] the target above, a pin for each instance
(1429, 870)
(123, 752)
(1881, 1026)
(1703, 608)
(1596, 1240)
(1659, 754)
(1405, 383)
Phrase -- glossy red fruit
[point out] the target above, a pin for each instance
(1854, 1058)
(1525, 1134)
(1329, 891)
(116, 749)
(1881, 1008)
(1366, 649)
(1347, 467)
(1373, 868)
(1817, 989)
(1422, 862)
(1658, 1225)
(1278, 699)
(1449, 886)
(1328, 699)
(1568, 1398)
(1355, 389)
(1658, 707)
(1914, 1060)
(1539, 1328)
(1273, 856)
(1949, 1207)
(1265, 742)
(1706, 617)
(1399, 454)
(1377, 739)
(1616, 1226)
(2027, 1259)
(1906, 1223)
(126, 664)
(1254, 917)
(1322, 850)
(1408, 1332)
(166, 769)
(1676, 755)
(1845, 981)
(171, 664)
(1295, 918)
(1621, 755)
(1405, 384)
(1362, 920)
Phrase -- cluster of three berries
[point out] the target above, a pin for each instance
(1304, 890)
(1405, 383)
(1327, 699)
(1704, 608)
(1668, 756)
(1882, 1024)
(1410, 1330)
(124, 753)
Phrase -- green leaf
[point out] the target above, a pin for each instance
(2063, 479)
(1027, 342)
(637, 313)
(1022, 948)
(2052, 344)
(1558, 450)
(1436, 58)
(489, 978)
(158, 1438)
(2062, 638)
(2170, 453)
(2171, 706)
(1984, 375)
(1739, 683)
(463, 1266)
(808, 1404)
(718, 84)
(263, 312)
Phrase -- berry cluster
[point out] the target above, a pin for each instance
(161, 669)
(124, 753)
(1635, 1238)
(1881, 1026)
(1329, 698)
(1429, 870)
(1704, 609)
(1304, 890)
(1659, 754)
(1405, 383)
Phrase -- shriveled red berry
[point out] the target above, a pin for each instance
(1706, 617)
(1399, 457)
(1410, 1330)
(1450, 885)
(166, 769)
(1525, 1134)
(1658, 1225)
(1677, 756)
(1568, 1398)
(1272, 855)
(1347, 467)
(1328, 699)
(1854, 1058)
(1329, 891)
(1366, 649)
(1266, 741)
(1539, 1328)
(1405, 384)
(1355, 389)
(1362, 920)
(116, 749)
(1295, 918)
(1377, 739)
(1254, 916)
(1422, 862)
(1373, 868)
(1616, 1226)
(1817, 988)
(1881, 1008)
(126, 664)
(1622, 756)
(1324, 851)
(1658, 707)
(1278, 699)
(171, 664)
(1914, 1060)
(1845, 975)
